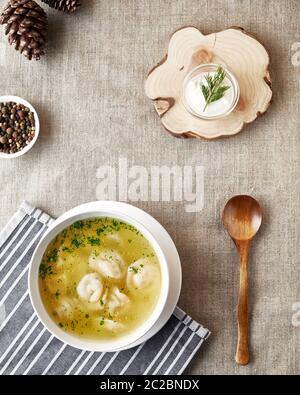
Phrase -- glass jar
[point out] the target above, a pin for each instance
(194, 100)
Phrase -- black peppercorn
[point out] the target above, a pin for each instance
(17, 127)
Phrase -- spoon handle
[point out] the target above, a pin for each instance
(242, 353)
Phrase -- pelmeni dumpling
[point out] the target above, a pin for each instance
(113, 326)
(110, 300)
(115, 299)
(108, 324)
(66, 307)
(100, 304)
(90, 288)
(115, 238)
(109, 264)
(142, 274)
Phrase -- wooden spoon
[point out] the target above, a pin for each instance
(242, 217)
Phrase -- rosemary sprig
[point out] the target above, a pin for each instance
(214, 89)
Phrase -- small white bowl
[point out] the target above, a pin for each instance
(163, 247)
(19, 100)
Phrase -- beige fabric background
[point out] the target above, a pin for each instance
(90, 97)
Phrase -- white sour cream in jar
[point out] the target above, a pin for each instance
(195, 100)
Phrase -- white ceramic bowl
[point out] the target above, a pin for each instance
(19, 100)
(164, 248)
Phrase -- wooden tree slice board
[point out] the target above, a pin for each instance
(240, 52)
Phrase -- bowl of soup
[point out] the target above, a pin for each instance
(99, 280)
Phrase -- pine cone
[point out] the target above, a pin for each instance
(63, 5)
(26, 27)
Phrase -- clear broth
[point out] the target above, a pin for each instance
(65, 263)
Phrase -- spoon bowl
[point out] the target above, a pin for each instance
(242, 217)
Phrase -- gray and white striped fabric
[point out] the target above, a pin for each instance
(26, 347)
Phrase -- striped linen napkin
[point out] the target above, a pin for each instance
(26, 347)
